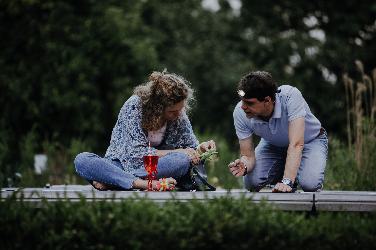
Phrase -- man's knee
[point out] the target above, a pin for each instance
(310, 185)
(253, 183)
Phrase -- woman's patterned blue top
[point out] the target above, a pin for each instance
(129, 141)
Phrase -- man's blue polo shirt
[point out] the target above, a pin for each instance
(289, 105)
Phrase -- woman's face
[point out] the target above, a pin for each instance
(173, 112)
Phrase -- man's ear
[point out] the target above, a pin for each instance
(268, 99)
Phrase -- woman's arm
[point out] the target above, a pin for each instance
(185, 138)
(162, 153)
(180, 138)
(192, 153)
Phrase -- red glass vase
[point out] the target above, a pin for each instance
(150, 164)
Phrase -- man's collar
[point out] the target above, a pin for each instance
(277, 108)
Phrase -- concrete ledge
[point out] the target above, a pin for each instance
(300, 201)
(361, 201)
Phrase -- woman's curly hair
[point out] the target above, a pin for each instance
(163, 90)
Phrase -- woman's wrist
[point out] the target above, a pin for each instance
(198, 149)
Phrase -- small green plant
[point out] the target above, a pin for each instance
(208, 155)
(218, 172)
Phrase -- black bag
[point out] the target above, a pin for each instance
(195, 180)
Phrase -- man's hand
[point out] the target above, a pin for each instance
(206, 146)
(281, 188)
(237, 168)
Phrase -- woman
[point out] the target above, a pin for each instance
(155, 114)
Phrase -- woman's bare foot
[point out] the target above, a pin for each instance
(100, 186)
(143, 184)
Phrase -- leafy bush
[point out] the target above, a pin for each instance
(222, 223)
(60, 168)
(342, 172)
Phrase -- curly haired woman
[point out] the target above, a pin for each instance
(155, 113)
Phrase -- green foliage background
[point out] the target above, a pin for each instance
(66, 67)
(223, 223)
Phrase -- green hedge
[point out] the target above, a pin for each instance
(216, 224)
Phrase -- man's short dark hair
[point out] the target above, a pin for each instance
(257, 84)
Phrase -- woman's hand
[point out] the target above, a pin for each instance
(192, 154)
(205, 146)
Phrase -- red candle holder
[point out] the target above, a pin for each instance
(150, 164)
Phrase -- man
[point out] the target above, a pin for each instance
(293, 147)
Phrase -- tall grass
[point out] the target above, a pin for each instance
(354, 166)
(361, 109)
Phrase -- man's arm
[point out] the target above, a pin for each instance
(294, 153)
(247, 158)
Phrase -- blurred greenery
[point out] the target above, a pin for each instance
(222, 223)
(66, 67)
(342, 172)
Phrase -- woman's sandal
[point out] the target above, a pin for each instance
(104, 187)
(164, 184)
(100, 186)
